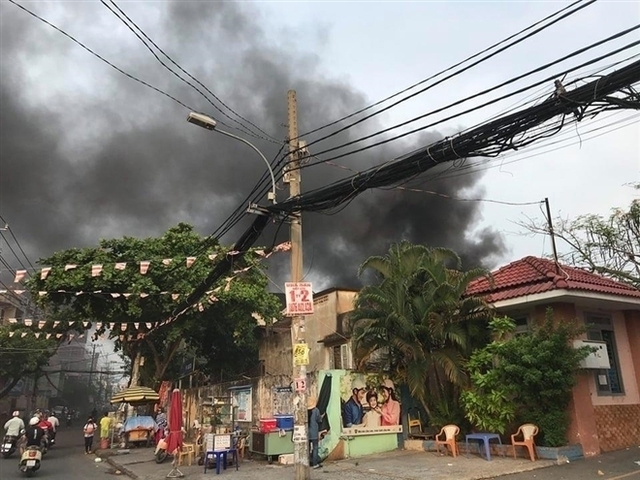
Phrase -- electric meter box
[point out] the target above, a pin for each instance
(598, 360)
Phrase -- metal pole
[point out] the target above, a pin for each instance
(301, 447)
(272, 196)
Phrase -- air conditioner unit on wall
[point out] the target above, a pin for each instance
(598, 360)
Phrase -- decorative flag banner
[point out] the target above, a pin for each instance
(175, 296)
(13, 320)
(11, 334)
(190, 261)
(144, 295)
(167, 261)
(41, 324)
(42, 294)
(71, 323)
(136, 325)
(56, 323)
(19, 292)
(24, 334)
(123, 327)
(121, 265)
(98, 325)
(111, 325)
(144, 266)
(69, 267)
(44, 273)
(48, 336)
(20, 274)
(148, 325)
(28, 322)
(213, 256)
(126, 295)
(115, 295)
(37, 334)
(85, 324)
(96, 270)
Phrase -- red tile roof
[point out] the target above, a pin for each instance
(532, 275)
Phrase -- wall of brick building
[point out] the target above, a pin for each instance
(618, 426)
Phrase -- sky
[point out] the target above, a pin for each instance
(87, 153)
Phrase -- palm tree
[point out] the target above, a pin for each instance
(416, 323)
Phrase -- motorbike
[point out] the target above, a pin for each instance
(30, 461)
(161, 453)
(8, 445)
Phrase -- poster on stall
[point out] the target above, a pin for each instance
(242, 400)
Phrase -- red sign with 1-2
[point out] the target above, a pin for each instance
(300, 384)
(299, 298)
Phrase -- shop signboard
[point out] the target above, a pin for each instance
(299, 298)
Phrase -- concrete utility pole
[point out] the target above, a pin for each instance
(301, 446)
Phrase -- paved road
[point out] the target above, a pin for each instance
(65, 461)
(620, 465)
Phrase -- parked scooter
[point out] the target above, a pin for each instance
(8, 445)
(30, 461)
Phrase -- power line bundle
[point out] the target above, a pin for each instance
(487, 140)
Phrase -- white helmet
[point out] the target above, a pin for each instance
(34, 421)
(16, 413)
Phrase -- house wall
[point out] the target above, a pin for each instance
(275, 353)
(275, 348)
(268, 398)
(602, 423)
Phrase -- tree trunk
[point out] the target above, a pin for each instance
(162, 362)
(7, 388)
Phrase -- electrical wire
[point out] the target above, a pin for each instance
(488, 140)
(132, 26)
(484, 92)
(529, 35)
(118, 69)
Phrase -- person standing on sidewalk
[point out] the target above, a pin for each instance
(89, 430)
(315, 420)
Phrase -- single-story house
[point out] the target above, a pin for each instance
(605, 410)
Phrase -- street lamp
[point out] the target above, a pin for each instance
(205, 121)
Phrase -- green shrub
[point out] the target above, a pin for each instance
(525, 379)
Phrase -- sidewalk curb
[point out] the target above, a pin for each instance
(122, 468)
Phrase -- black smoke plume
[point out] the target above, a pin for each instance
(86, 153)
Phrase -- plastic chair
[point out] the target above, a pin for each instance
(528, 431)
(188, 451)
(450, 432)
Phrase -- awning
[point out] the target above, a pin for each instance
(136, 395)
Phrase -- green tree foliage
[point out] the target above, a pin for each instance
(418, 324)
(227, 322)
(607, 245)
(21, 356)
(525, 379)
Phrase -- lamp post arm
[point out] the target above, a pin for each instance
(246, 142)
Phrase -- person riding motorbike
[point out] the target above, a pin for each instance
(47, 428)
(55, 423)
(13, 427)
(33, 433)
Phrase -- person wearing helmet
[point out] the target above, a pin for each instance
(34, 434)
(14, 425)
(352, 411)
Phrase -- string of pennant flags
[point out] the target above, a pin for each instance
(143, 266)
(141, 328)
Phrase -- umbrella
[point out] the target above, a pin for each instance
(136, 395)
(174, 439)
